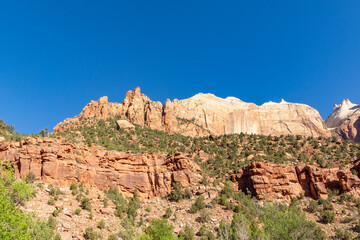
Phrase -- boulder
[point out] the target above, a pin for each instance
(125, 125)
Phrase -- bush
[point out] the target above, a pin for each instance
(159, 229)
(106, 202)
(187, 193)
(101, 224)
(51, 201)
(85, 204)
(56, 213)
(77, 211)
(204, 216)
(202, 231)
(52, 222)
(237, 209)
(30, 177)
(148, 209)
(73, 186)
(168, 213)
(113, 237)
(187, 234)
(313, 206)
(327, 216)
(283, 222)
(90, 234)
(343, 234)
(176, 194)
(194, 208)
(200, 202)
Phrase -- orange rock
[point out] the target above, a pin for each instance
(283, 182)
(206, 114)
(64, 163)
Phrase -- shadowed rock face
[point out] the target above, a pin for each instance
(205, 114)
(61, 163)
(344, 121)
(284, 182)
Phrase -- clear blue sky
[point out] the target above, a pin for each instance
(56, 56)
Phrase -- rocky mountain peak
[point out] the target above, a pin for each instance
(205, 114)
(103, 100)
(340, 113)
(344, 121)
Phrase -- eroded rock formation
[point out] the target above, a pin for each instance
(205, 114)
(344, 121)
(62, 163)
(283, 182)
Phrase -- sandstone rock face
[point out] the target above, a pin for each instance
(125, 125)
(344, 121)
(61, 163)
(205, 114)
(283, 182)
(271, 181)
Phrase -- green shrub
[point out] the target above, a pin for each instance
(200, 202)
(77, 211)
(168, 213)
(51, 201)
(283, 222)
(237, 209)
(313, 206)
(176, 194)
(187, 234)
(85, 204)
(327, 216)
(159, 229)
(56, 213)
(30, 177)
(204, 216)
(113, 237)
(187, 193)
(101, 224)
(148, 209)
(343, 234)
(90, 234)
(203, 231)
(52, 222)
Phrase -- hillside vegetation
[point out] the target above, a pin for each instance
(220, 155)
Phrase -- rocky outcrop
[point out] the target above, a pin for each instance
(270, 181)
(61, 163)
(344, 121)
(205, 114)
(124, 124)
(284, 182)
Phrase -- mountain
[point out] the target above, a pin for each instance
(344, 121)
(206, 114)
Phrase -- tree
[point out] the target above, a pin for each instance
(159, 229)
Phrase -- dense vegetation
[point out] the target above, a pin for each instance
(15, 224)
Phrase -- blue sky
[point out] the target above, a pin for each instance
(56, 56)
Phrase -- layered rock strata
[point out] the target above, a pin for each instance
(205, 114)
(284, 182)
(61, 163)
